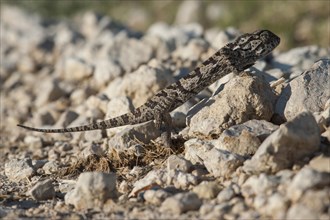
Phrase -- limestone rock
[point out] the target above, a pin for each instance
(291, 142)
(309, 91)
(17, 170)
(92, 190)
(181, 202)
(242, 99)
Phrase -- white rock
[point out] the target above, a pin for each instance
(301, 212)
(317, 200)
(155, 197)
(219, 163)
(43, 190)
(75, 68)
(158, 177)
(225, 195)
(51, 91)
(320, 163)
(33, 142)
(116, 107)
(17, 170)
(105, 71)
(242, 99)
(140, 85)
(181, 179)
(309, 91)
(220, 39)
(291, 142)
(51, 167)
(299, 59)
(192, 51)
(179, 163)
(306, 179)
(133, 135)
(207, 190)
(259, 185)
(92, 190)
(274, 205)
(181, 203)
(214, 211)
(175, 36)
(130, 53)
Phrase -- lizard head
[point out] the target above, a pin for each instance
(250, 47)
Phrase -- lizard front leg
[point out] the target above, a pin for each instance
(166, 120)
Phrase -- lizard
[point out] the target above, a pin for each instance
(235, 56)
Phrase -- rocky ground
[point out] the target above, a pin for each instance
(251, 146)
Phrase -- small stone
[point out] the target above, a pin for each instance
(51, 167)
(207, 190)
(33, 142)
(43, 190)
(154, 177)
(227, 108)
(178, 162)
(92, 190)
(75, 68)
(300, 95)
(219, 163)
(133, 135)
(293, 141)
(51, 91)
(274, 205)
(94, 136)
(181, 202)
(298, 212)
(66, 118)
(306, 179)
(17, 170)
(244, 144)
(225, 195)
(181, 180)
(320, 163)
(140, 85)
(259, 185)
(105, 71)
(316, 199)
(155, 197)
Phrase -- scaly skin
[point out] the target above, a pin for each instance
(235, 57)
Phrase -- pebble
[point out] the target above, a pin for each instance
(300, 94)
(43, 190)
(181, 202)
(306, 179)
(155, 197)
(17, 170)
(92, 190)
(175, 162)
(301, 135)
(251, 151)
(219, 163)
(213, 119)
(207, 190)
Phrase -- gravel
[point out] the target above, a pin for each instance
(257, 149)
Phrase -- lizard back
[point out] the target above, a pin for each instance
(235, 57)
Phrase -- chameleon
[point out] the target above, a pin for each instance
(235, 57)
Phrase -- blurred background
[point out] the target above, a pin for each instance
(298, 22)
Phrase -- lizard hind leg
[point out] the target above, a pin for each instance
(166, 120)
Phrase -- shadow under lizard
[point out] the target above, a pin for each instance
(235, 56)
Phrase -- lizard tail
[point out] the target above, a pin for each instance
(134, 117)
